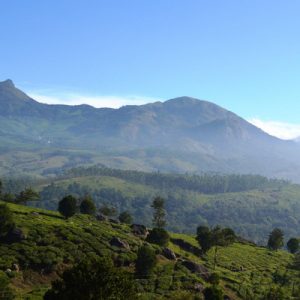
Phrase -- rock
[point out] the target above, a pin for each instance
(14, 236)
(139, 230)
(114, 221)
(196, 268)
(187, 246)
(117, 242)
(16, 267)
(198, 287)
(8, 271)
(101, 217)
(34, 213)
(169, 254)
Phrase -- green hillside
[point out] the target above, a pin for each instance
(251, 205)
(52, 244)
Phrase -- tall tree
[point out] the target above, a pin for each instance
(67, 206)
(293, 245)
(275, 241)
(27, 195)
(159, 215)
(87, 206)
(97, 279)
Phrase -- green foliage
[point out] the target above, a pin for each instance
(87, 206)
(293, 245)
(67, 206)
(125, 217)
(146, 261)
(214, 279)
(275, 293)
(27, 195)
(6, 220)
(93, 279)
(6, 292)
(216, 236)
(159, 236)
(159, 215)
(108, 210)
(275, 241)
(213, 293)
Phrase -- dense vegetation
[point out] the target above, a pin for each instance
(50, 245)
(253, 212)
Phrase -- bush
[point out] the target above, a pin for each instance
(67, 206)
(158, 236)
(87, 206)
(213, 293)
(125, 217)
(6, 220)
(5, 291)
(93, 279)
(146, 261)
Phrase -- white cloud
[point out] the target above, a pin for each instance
(96, 101)
(286, 131)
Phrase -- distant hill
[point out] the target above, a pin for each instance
(179, 135)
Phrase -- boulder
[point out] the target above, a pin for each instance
(117, 242)
(101, 217)
(16, 267)
(198, 287)
(197, 268)
(14, 236)
(139, 230)
(114, 221)
(187, 246)
(169, 254)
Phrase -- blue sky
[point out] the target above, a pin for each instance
(242, 55)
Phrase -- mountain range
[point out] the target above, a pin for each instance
(179, 135)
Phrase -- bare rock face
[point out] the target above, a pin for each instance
(169, 254)
(117, 242)
(139, 230)
(197, 268)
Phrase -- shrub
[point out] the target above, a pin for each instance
(6, 220)
(146, 261)
(93, 279)
(159, 236)
(67, 206)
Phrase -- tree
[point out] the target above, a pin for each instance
(87, 206)
(125, 217)
(6, 220)
(293, 245)
(215, 237)
(5, 291)
(159, 215)
(213, 293)
(204, 238)
(158, 236)
(275, 241)
(95, 280)
(67, 206)
(27, 195)
(146, 261)
(108, 211)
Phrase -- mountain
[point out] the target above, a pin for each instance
(179, 135)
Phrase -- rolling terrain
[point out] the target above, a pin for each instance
(53, 244)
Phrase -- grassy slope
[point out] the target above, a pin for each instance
(253, 214)
(56, 243)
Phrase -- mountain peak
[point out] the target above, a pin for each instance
(8, 83)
